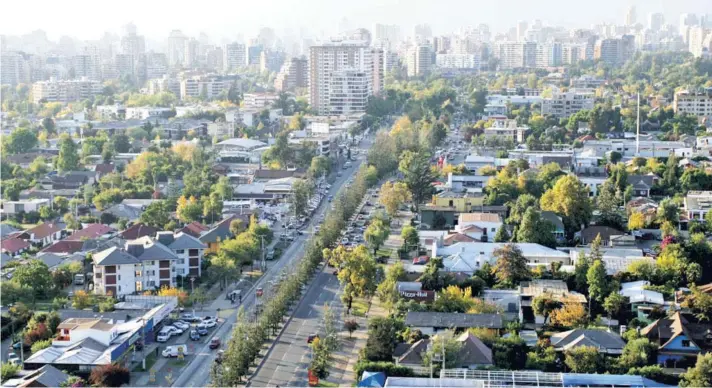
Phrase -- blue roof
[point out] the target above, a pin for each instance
(580, 379)
(372, 379)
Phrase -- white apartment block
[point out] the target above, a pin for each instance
(694, 103)
(564, 104)
(614, 51)
(378, 70)
(513, 55)
(457, 61)
(572, 53)
(176, 48)
(419, 61)
(87, 66)
(341, 72)
(144, 112)
(65, 91)
(14, 68)
(506, 130)
(549, 54)
(293, 74)
(234, 56)
(156, 65)
(206, 87)
(165, 84)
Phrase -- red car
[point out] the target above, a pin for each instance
(421, 260)
(214, 343)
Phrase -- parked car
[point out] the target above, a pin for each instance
(210, 323)
(188, 317)
(194, 335)
(214, 343)
(175, 350)
(201, 329)
(12, 358)
(182, 325)
(176, 329)
(421, 260)
(219, 356)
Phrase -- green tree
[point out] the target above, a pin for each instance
(223, 188)
(583, 359)
(411, 240)
(8, 371)
(613, 304)
(212, 207)
(121, 143)
(19, 141)
(568, 198)
(502, 235)
(638, 353)
(357, 275)
(535, 229)
(443, 342)
(510, 353)
(377, 233)
(387, 291)
(301, 192)
(544, 305)
(511, 266)
(597, 282)
(34, 274)
(417, 175)
(382, 338)
(157, 215)
(223, 269)
(701, 374)
(68, 159)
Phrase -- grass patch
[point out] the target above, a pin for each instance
(178, 363)
(150, 360)
(323, 383)
(359, 307)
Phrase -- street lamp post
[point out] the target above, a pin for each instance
(192, 281)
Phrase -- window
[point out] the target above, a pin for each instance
(119, 279)
(181, 261)
(493, 230)
(119, 288)
(180, 251)
(686, 344)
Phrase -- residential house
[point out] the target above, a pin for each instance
(24, 206)
(430, 322)
(188, 249)
(604, 341)
(195, 229)
(43, 234)
(469, 257)
(49, 194)
(91, 232)
(554, 219)
(137, 231)
(642, 301)
(507, 300)
(65, 247)
(47, 376)
(13, 246)
(221, 232)
(480, 226)
(119, 210)
(8, 231)
(680, 339)
(616, 259)
(587, 235)
(473, 353)
(697, 204)
(555, 289)
(644, 205)
(642, 184)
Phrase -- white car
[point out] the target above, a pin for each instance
(182, 325)
(176, 330)
(210, 323)
(163, 337)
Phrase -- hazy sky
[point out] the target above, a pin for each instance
(88, 19)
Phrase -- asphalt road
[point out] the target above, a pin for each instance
(287, 362)
(197, 373)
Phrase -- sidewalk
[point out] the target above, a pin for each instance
(348, 355)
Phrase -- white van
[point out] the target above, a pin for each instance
(173, 350)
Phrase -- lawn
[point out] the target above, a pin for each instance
(323, 383)
(359, 307)
(150, 360)
(178, 363)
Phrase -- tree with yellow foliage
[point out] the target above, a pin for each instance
(571, 314)
(184, 150)
(636, 221)
(178, 293)
(393, 195)
(189, 209)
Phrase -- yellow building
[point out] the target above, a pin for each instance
(460, 202)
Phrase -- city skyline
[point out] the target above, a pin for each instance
(60, 19)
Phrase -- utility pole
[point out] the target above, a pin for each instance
(637, 134)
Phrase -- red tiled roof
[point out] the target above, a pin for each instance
(65, 246)
(13, 245)
(194, 229)
(137, 231)
(43, 230)
(91, 231)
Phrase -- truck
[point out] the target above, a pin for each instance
(79, 279)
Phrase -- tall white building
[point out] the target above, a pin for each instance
(522, 26)
(630, 16)
(203, 87)
(192, 49)
(697, 37)
(513, 55)
(457, 61)
(694, 103)
(234, 56)
(656, 21)
(419, 60)
(338, 71)
(176, 48)
(549, 54)
(386, 35)
(88, 66)
(14, 68)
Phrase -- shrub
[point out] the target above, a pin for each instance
(39, 345)
(109, 376)
(389, 368)
(8, 371)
